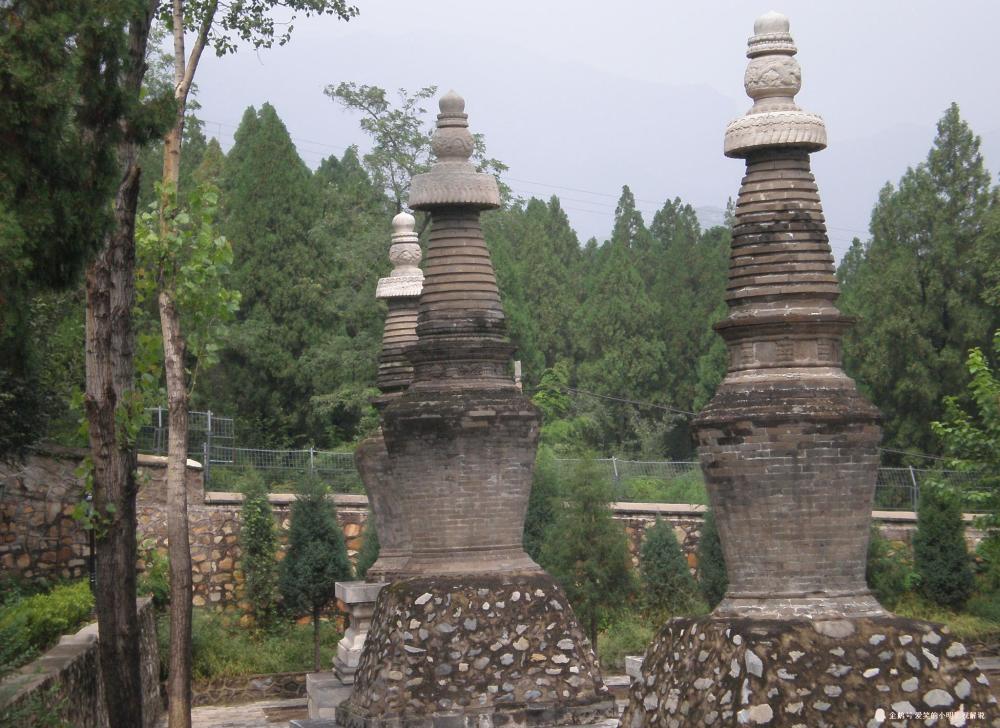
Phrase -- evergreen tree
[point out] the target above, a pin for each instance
(668, 586)
(586, 551)
(370, 547)
(712, 578)
(316, 558)
(258, 546)
(939, 554)
(918, 285)
(542, 502)
(269, 204)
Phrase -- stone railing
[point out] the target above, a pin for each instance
(67, 681)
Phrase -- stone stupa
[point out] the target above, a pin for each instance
(789, 450)
(401, 292)
(474, 633)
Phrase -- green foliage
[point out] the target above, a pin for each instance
(972, 441)
(31, 625)
(686, 488)
(368, 554)
(43, 709)
(889, 570)
(963, 625)
(220, 648)
(667, 585)
(712, 578)
(316, 556)
(542, 501)
(939, 554)
(155, 577)
(922, 279)
(586, 551)
(630, 634)
(258, 543)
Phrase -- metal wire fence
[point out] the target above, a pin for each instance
(204, 429)
(682, 482)
(280, 469)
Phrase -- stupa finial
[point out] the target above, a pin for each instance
(452, 179)
(406, 278)
(772, 79)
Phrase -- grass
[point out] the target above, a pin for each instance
(965, 625)
(629, 635)
(221, 648)
(687, 488)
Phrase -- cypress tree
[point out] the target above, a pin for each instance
(939, 554)
(258, 546)
(586, 551)
(370, 547)
(712, 578)
(316, 558)
(668, 586)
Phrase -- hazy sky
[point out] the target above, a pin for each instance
(581, 97)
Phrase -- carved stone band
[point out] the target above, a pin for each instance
(775, 129)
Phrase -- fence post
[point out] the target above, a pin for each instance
(205, 465)
(312, 461)
(158, 438)
(617, 479)
(916, 488)
(208, 434)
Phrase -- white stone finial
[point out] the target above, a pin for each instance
(406, 278)
(453, 180)
(772, 79)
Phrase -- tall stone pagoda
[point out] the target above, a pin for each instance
(401, 292)
(476, 633)
(789, 450)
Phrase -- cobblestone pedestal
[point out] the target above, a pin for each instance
(866, 672)
(476, 651)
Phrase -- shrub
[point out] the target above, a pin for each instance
(889, 571)
(686, 488)
(258, 543)
(29, 626)
(368, 554)
(939, 554)
(586, 551)
(316, 558)
(668, 586)
(628, 635)
(155, 577)
(712, 578)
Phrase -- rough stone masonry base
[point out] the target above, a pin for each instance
(478, 650)
(860, 673)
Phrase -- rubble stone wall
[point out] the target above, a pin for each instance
(40, 539)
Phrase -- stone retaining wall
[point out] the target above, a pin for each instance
(40, 539)
(67, 680)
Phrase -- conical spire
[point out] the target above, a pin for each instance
(401, 289)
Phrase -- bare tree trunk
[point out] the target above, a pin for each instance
(110, 344)
(179, 549)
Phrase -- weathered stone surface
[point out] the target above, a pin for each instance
(801, 681)
(788, 446)
(537, 679)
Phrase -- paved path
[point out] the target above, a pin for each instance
(265, 714)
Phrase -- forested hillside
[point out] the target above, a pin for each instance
(615, 336)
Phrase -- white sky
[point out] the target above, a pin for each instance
(580, 97)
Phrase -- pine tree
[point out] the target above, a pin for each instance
(918, 285)
(586, 551)
(712, 578)
(258, 546)
(541, 503)
(316, 558)
(939, 554)
(668, 586)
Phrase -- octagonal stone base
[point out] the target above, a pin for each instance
(479, 650)
(865, 673)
